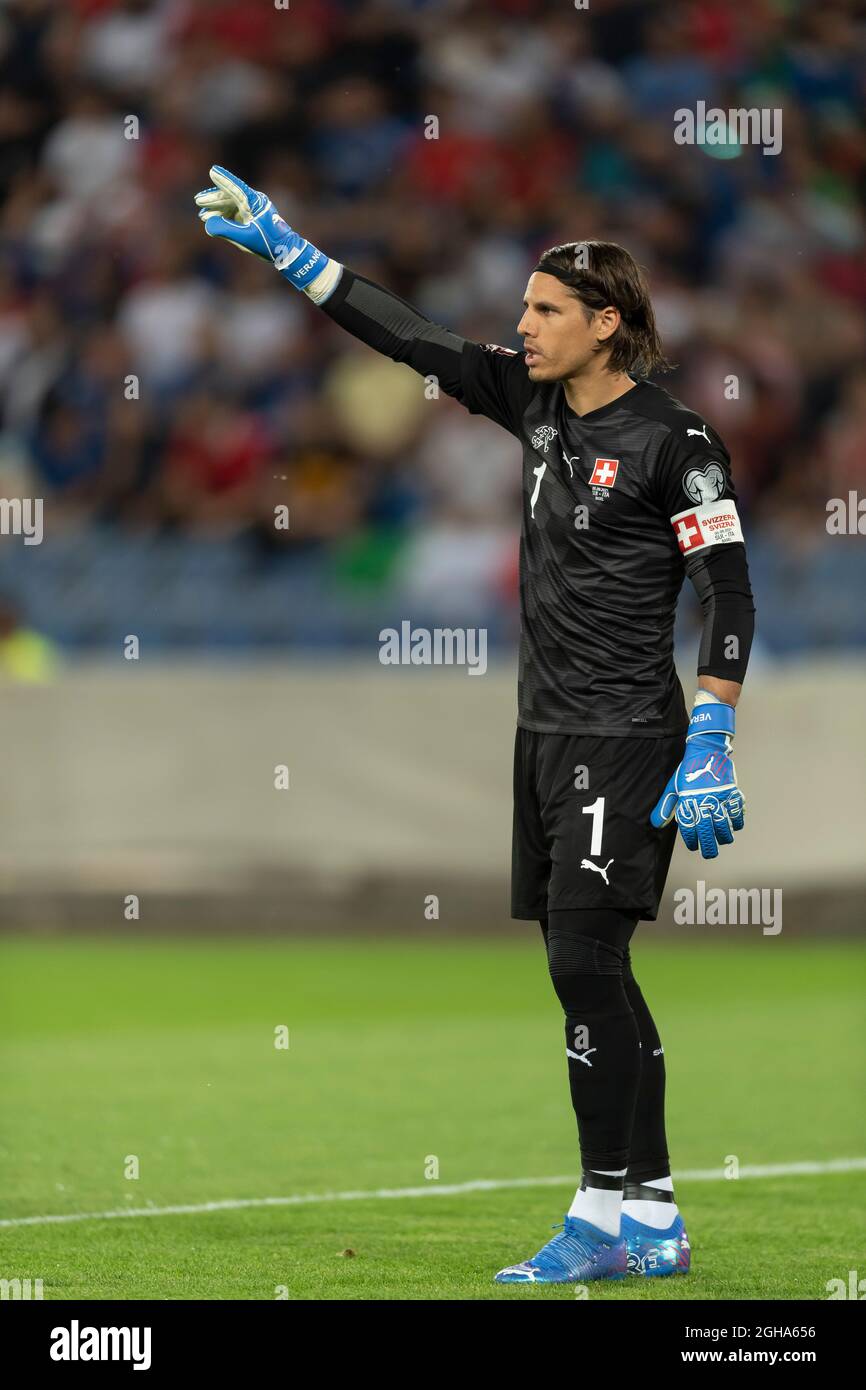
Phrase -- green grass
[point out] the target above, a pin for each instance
(399, 1052)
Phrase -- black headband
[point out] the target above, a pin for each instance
(563, 275)
(566, 277)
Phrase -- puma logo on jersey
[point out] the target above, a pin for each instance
(570, 461)
(702, 432)
(588, 864)
(581, 1056)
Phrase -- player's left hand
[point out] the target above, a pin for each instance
(703, 792)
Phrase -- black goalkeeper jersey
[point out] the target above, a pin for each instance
(618, 505)
(609, 504)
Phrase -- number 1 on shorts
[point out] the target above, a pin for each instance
(596, 810)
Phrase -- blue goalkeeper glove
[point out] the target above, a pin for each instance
(703, 792)
(239, 214)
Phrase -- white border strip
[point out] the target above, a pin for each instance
(305, 1199)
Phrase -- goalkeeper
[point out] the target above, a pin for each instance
(625, 492)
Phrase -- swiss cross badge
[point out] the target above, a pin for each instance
(603, 478)
(688, 532)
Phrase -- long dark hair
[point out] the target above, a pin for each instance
(600, 273)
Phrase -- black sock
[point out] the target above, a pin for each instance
(601, 1033)
(648, 1157)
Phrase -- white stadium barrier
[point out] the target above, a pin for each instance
(161, 782)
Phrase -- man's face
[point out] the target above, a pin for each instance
(559, 341)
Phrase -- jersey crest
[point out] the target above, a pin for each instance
(543, 438)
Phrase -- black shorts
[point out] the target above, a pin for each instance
(582, 834)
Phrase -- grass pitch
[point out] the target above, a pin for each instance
(403, 1057)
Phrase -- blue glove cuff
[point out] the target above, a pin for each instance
(711, 719)
(301, 265)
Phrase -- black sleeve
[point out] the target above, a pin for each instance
(694, 489)
(720, 576)
(692, 471)
(487, 379)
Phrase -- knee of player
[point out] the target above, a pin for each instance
(585, 972)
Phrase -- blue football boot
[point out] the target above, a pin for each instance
(579, 1253)
(654, 1253)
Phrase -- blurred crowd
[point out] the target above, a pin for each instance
(153, 381)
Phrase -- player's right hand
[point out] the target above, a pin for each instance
(230, 209)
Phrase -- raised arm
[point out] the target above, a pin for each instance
(487, 379)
